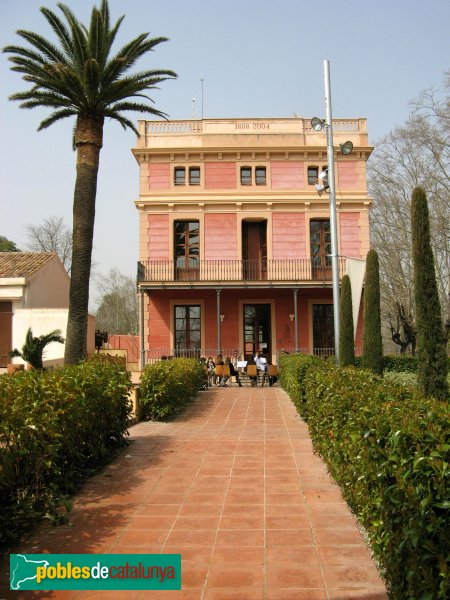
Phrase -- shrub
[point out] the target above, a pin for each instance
(431, 344)
(390, 452)
(399, 363)
(55, 428)
(372, 357)
(293, 369)
(346, 338)
(167, 386)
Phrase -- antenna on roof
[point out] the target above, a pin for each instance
(202, 96)
(193, 108)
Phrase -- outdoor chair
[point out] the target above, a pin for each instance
(272, 372)
(252, 372)
(218, 372)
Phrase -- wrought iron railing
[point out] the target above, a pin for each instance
(232, 271)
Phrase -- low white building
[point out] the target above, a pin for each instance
(34, 292)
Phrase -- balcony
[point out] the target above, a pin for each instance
(235, 273)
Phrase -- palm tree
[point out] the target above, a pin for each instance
(33, 349)
(80, 78)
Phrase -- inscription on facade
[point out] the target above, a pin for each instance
(252, 126)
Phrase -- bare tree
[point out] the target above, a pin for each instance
(51, 236)
(117, 312)
(415, 154)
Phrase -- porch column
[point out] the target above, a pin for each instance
(141, 328)
(296, 318)
(219, 342)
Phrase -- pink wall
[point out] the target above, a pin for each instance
(288, 235)
(220, 175)
(159, 315)
(287, 175)
(159, 176)
(159, 322)
(130, 343)
(220, 236)
(347, 175)
(350, 235)
(158, 237)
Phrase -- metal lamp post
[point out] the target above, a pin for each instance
(327, 124)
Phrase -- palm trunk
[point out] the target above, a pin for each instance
(88, 142)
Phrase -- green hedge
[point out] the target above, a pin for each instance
(389, 450)
(55, 428)
(292, 371)
(399, 363)
(167, 386)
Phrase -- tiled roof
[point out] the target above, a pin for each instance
(22, 264)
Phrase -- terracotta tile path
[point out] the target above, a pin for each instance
(234, 486)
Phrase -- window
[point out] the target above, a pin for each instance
(187, 327)
(320, 243)
(194, 175)
(187, 249)
(246, 176)
(323, 329)
(313, 175)
(260, 175)
(179, 175)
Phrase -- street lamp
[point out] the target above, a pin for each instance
(327, 182)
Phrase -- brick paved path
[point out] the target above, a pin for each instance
(233, 485)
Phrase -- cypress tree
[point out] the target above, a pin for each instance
(372, 343)
(346, 336)
(431, 355)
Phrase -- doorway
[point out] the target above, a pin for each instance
(323, 329)
(5, 332)
(257, 330)
(254, 250)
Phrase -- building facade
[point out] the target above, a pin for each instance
(34, 292)
(235, 240)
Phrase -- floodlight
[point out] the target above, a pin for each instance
(324, 176)
(321, 188)
(346, 147)
(317, 124)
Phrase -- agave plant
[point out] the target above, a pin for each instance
(33, 349)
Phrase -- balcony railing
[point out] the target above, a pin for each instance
(195, 271)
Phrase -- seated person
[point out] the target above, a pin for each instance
(211, 365)
(219, 362)
(261, 365)
(233, 371)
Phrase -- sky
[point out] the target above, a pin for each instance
(257, 58)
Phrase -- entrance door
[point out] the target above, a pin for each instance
(323, 329)
(5, 332)
(254, 250)
(257, 330)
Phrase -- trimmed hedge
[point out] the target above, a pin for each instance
(400, 363)
(389, 450)
(55, 428)
(168, 386)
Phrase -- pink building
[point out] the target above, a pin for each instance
(235, 240)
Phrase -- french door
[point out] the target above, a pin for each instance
(254, 250)
(257, 330)
(187, 250)
(320, 243)
(323, 329)
(187, 330)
